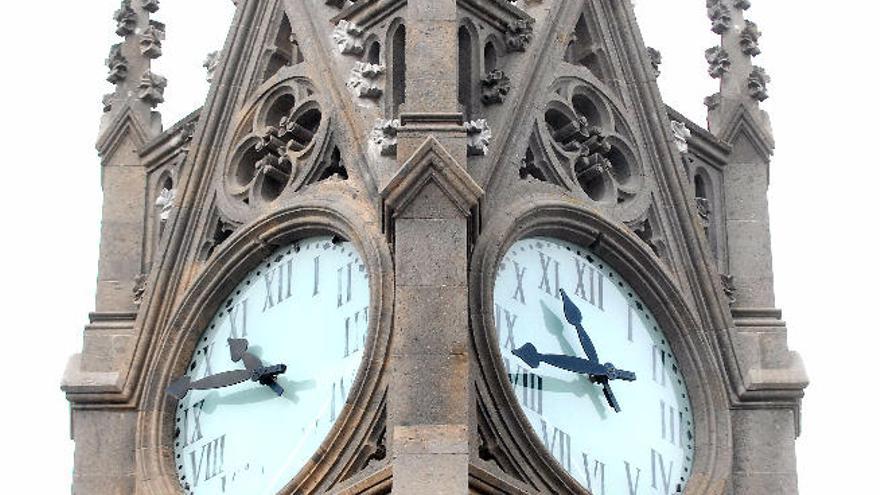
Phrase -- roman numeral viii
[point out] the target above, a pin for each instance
(209, 462)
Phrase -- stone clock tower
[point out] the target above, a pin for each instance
(435, 246)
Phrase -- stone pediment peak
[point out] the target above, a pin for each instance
(431, 163)
(756, 129)
(124, 122)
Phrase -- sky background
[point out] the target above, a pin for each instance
(821, 56)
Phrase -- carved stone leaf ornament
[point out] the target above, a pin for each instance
(118, 65)
(126, 19)
(479, 134)
(749, 39)
(656, 59)
(348, 37)
(150, 5)
(495, 87)
(758, 81)
(518, 35)
(720, 16)
(728, 283)
(712, 101)
(151, 40)
(107, 102)
(384, 135)
(152, 88)
(719, 61)
(681, 134)
(165, 203)
(704, 211)
(212, 60)
(365, 80)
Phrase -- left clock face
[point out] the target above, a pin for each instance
(272, 371)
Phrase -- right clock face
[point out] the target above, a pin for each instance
(592, 370)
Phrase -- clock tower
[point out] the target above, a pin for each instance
(435, 246)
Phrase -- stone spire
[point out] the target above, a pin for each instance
(137, 90)
(743, 85)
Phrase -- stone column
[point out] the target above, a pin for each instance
(766, 418)
(428, 208)
(104, 459)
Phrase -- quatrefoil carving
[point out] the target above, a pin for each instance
(275, 155)
(585, 134)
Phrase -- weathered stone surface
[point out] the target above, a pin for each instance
(104, 459)
(424, 327)
(765, 460)
(431, 252)
(426, 455)
(288, 145)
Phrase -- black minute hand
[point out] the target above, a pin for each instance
(574, 317)
(180, 387)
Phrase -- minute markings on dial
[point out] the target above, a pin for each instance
(598, 373)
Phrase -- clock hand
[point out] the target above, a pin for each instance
(597, 372)
(574, 317)
(609, 395)
(180, 387)
(238, 350)
(265, 375)
(533, 358)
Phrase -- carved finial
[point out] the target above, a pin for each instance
(129, 69)
(719, 61)
(732, 62)
(656, 59)
(152, 88)
(758, 81)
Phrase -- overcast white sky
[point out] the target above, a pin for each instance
(823, 103)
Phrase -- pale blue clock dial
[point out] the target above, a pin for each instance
(646, 448)
(306, 307)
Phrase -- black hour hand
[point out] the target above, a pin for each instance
(238, 351)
